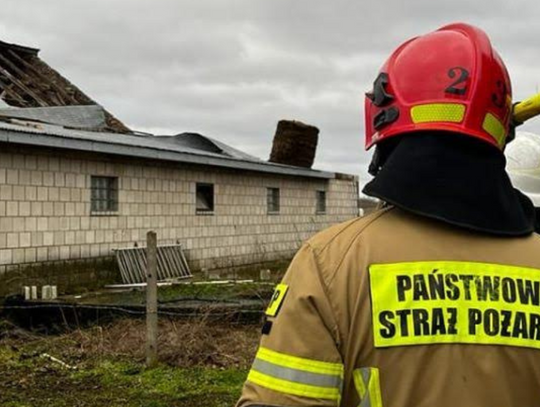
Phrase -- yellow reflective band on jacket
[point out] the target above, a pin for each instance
(455, 302)
(289, 374)
(367, 384)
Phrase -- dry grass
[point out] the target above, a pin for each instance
(203, 362)
(183, 344)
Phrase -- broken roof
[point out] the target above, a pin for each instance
(40, 127)
(77, 117)
(27, 81)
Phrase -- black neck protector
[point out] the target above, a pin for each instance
(452, 178)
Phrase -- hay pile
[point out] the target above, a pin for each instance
(295, 143)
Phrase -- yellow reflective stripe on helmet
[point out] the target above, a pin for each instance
(289, 374)
(294, 362)
(289, 387)
(495, 128)
(438, 112)
(367, 383)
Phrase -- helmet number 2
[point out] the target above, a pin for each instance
(459, 86)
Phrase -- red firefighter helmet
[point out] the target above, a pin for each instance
(450, 80)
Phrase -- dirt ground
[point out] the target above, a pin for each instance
(201, 364)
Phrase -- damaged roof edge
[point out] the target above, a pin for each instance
(41, 140)
(22, 48)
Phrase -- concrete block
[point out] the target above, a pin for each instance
(30, 224)
(48, 209)
(46, 292)
(42, 254)
(24, 209)
(18, 193)
(265, 275)
(48, 179)
(59, 179)
(30, 255)
(36, 209)
(12, 240)
(37, 178)
(12, 177)
(6, 192)
(6, 256)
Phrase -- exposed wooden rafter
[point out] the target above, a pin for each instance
(62, 95)
(23, 87)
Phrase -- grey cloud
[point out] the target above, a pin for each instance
(232, 69)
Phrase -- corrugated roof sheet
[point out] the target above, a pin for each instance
(169, 148)
(91, 117)
(197, 141)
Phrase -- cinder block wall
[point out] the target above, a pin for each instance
(45, 210)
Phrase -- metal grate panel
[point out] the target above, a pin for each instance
(172, 263)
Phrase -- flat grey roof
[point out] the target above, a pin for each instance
(191, 148)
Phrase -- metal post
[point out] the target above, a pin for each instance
(151, 299)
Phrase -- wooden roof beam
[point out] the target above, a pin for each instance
(19, 82)
(63, 96)
(8, 90)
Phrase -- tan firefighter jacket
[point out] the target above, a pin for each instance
(396, 310)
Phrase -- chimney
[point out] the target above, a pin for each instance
(295, 143)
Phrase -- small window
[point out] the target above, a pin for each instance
(321, 201)
(104, 194)
(205, 198)
(272, 200)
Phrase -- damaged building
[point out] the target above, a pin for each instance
(76, 183)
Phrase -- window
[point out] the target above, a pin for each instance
(205, 198)
(104, 194)
(272, 200)
(321, 201)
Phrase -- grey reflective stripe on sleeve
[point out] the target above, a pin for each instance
(366, 375)
(366, 401)
(366, 380)
(297, 376)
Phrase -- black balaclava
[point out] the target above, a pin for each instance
(452, 178)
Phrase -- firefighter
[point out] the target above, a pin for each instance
(433, 300)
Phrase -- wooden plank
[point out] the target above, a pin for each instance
(63, 96)
(151, 299)
(19, 83)
(10, 92)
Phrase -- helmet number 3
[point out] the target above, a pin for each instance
(459, 86)
(499, 99)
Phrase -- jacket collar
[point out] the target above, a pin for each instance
(454, 179)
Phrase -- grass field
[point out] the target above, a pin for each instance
(201, 364)
(168, 295)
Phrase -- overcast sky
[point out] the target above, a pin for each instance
(230, 69)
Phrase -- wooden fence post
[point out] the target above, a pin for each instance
(151, 299)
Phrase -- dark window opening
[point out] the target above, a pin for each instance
(104, 194)
(205, 198)
(321, 202)
(272, 200)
